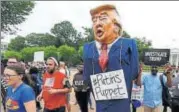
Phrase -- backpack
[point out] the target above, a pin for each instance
(38, 83)
(166, 97)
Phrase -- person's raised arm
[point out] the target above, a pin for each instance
(168, 72)
(139, 78)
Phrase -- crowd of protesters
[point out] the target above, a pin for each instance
(23, 86)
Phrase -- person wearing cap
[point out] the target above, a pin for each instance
(110, 52)
(152, 83)
(55, 88)
(20, 96)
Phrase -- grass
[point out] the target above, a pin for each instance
(147, 68)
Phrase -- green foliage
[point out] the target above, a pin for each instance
(88, 34)
(50, 51)
(142, 43)
(8, 54)
(66, 33)
(28, 52)
(125, 34)
(68, 40)
(80, 51)
(38, 39)
(17, 43)
(14, 13)
(67, 54)
(32, 40)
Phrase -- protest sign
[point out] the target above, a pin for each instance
(39, 56)
(157, 57)
(109, 85)
(137, 93)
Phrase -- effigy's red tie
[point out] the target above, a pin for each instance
(103, 58)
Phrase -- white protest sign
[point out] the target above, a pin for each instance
(39, 56)
(109, 85)
(138, 94)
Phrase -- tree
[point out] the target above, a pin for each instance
(8, 54)
(80, 51)
(88, 34)
(68, 54)
(142, 43)
(28, 53)
(51, 51)
(125, 34)
(14, 13)
(39, 39)
(66, 33)
(17, 43)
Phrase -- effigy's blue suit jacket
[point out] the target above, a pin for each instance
(128, 62)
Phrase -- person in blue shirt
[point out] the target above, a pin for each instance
(110, 52)
(20, 97)
(153, 88)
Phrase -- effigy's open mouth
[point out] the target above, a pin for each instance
(99, 32)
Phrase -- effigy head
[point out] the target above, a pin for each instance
(106, 24)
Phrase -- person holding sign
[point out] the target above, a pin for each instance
(110, 62)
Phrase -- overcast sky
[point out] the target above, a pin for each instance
(156, 20)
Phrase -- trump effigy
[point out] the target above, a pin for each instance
(110, 61)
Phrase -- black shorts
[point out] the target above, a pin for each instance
(175, 104)
(60, 109)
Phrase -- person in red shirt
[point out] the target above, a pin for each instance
(55, 88)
